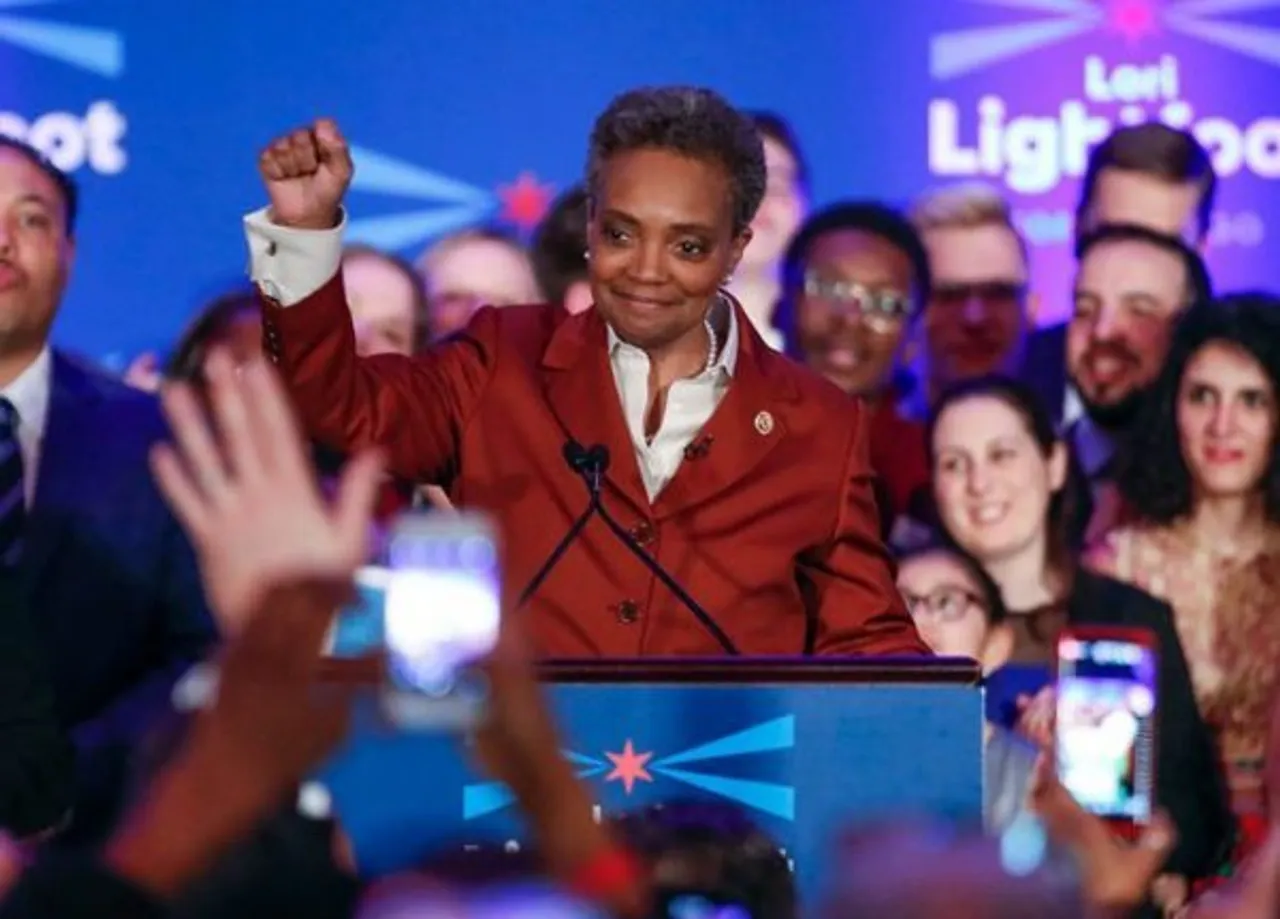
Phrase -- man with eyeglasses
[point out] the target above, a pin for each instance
(854, 278)
(979, 314)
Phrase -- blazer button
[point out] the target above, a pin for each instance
(642, 533)
(628, 612)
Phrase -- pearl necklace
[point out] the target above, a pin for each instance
(713, 340)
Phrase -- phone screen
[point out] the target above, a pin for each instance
(442, 609)
(1106, 702)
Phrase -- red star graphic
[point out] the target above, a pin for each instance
(525, 200)
(1133, 18)
(628, 767)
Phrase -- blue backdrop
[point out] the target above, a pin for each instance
(466, 111)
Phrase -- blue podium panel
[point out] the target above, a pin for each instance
(805, 759)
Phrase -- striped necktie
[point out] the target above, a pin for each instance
(13, 506)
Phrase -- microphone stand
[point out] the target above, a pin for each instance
(576, 456)
(590, 463)
(536, 581)
(591, 467)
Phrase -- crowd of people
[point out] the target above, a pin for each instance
(844, 430)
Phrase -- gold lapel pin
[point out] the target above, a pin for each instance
(764, 423)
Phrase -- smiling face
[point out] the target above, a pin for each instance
(992, 480)
(948, 607)
(852, 350)
(976, 320)
(1226, 421)
(1128, 294)
(661, 244)
(946, 604)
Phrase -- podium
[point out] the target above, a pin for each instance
(806, 746)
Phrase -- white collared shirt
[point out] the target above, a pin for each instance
(1072, 407)
(29, 393)
(289, 265)
(690, 403)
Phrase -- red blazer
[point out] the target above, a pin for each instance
(773, 529)
(899, 456)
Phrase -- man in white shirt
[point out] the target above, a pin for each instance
(110, 579)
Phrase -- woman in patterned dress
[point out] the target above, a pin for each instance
(1202, 488)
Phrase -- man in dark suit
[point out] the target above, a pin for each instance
(109, 577)
(1148, 175)
(745, 473)
(36, 761)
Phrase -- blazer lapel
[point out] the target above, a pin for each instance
(745, 427)
(67, 473)
(580, 389)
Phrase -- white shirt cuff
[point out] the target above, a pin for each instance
(287, 264)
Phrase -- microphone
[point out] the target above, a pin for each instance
(578, 460)
(591, 463)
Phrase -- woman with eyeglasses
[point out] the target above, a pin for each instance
(1004, 496)
(958, 611)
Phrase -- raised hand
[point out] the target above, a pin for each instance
(519, 745)
(272, 722)
(1036, 717)
(246, 493)
(1115, 876)
(306, 173)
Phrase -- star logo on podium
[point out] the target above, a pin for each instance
(629, 767)
(692, 767)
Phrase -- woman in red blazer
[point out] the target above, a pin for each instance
(745, 475)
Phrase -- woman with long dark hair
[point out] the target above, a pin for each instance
(1002, 483)
(1202, 488)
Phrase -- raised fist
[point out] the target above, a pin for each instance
(306, 173)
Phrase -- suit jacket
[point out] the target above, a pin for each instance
(1044, 368)
(773, 528)
(111, 580)
(36, 759)
(1189, 780)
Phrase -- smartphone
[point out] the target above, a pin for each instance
(441, 613)
(1105, 734)
(358, 627)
